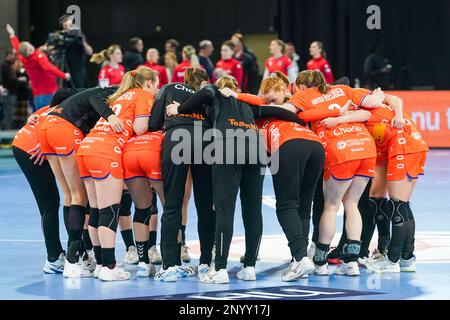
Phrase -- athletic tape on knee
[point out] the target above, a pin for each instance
(142, 216)
(399, 211)
(125, 204)
(93, 217)
(109, 217)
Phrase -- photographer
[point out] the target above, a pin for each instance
(70, 49)
(40, 70)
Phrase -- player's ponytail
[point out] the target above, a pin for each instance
(312, 78)
(194, 77)
(103, 55)
(190, 54)
(132, 80)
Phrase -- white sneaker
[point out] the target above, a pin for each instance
(131, 257)
(383, 265)
(374, 255)
(202, 270)
(216, 277)
(145, 270)
(185, 257)
(298, 269)
(185, 271)
(54, 267)
(89, 263)
(76, 270)
(154, 255)
(247, 274)
(362, 261)
(311, 251)
(321, 270)
(168, 275)
(97, 270)
(116, 274)
(347, 269)
(408, 265)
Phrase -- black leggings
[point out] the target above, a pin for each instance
(228, 180)
(174, 177)
(45, 191)
(300, 168)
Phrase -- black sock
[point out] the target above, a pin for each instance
(73, 251)
(66, 210)
(108, 257)
(183, 234)
(321, 254)
(400, 228)
(152, 238)
(87, 240)
(76, 222)
(142, 249)
(352, 249)
(128, 239)
(98, 254)
(383, 220)
(408, 247)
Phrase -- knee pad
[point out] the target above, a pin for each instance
(125, 204)
(142, 216)
(93, 217)
(380, 209)
(154, 206)
(109, 217)
(400, 212)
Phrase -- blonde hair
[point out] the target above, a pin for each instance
(173, 56)
(132, 80)
(227, 82)
(103, 55)
(194, 77)
(190, 53)
(282, 44)
(312, 78)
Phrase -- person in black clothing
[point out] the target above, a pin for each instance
(173, 45)
(237, 165)
(11, 83)
(251, 80)
(206, 49)
(377, 69)
(70, 50)
(175, 174)
(133, 57)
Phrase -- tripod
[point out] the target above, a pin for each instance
(61, 63)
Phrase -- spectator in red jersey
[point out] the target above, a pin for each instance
(190, 60)
(112, 70)
(227, 65)
(279, 61)
(40, 70)
(319, 61)
(152, 63)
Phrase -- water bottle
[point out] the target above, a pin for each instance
(357, 83)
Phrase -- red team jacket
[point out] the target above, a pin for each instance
(322, 65)
(233, 68)
(162, 74)
(40, 70)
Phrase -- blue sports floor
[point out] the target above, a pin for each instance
(22, 254)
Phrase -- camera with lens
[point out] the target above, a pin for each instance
(63, 40)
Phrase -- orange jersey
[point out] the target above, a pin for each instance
(148, 141)
(345, 142)
(27, 138)
(102, 141)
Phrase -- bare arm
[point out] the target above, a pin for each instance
(355, 116)
(140, 125)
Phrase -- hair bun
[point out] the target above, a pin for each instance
(133, 73)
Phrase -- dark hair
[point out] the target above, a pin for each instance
(321, 46)
(173, 43)
(204, 44)
(134, 41)
(229, 44)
